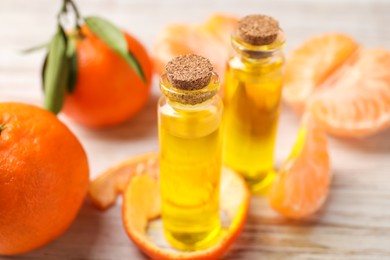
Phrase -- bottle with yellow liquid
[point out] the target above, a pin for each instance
(252, 97)
(190, 115)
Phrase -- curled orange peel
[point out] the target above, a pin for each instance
(104, 190)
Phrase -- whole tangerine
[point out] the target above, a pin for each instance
(107, 91)
(44, 177)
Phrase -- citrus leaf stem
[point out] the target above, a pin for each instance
(76, 11)
(63, 11)
(35, 48)
(68, 6)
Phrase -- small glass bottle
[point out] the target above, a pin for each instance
(252, 96)
(190, 115)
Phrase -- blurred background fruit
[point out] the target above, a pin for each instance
(44, 178)
(210, 39)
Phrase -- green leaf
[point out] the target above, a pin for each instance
(138, 69)
(71, 54)
(2, 127)
(35, 48)
(56, 73)
(72, 61)
(115, 39)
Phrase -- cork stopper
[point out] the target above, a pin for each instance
(191, 100)
(258, 29)
(189, 72)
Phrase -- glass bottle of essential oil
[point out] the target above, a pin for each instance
(252, 96)
(190, 115)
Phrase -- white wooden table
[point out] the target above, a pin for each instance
(354, 224)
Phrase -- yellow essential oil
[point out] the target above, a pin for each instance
(252, 96)
(190, 159)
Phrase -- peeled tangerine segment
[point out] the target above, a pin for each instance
(142, 207)
(302, 184)
(309, 65)
(345, 87)
(358, 102)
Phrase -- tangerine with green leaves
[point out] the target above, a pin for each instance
(44, 177)
(107, 91)
(95, 73)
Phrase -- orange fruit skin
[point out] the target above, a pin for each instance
(44, 178)
(104, 190)
(137, 178)
(108, 91)
(135, 219)
(302, 183)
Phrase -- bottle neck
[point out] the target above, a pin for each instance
(261, 53)
(189, 99)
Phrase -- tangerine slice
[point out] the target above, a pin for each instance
(142, 204)
(104, 190)
(309, 65)
(302, 184)
(358, 103)
(210, 39)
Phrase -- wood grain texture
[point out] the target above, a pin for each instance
(355, 222)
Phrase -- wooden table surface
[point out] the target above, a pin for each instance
(355, 222)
